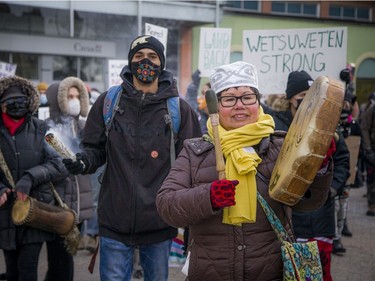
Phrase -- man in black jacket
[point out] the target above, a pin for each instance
(137, 156)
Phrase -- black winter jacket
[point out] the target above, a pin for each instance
(28, 153)
(137, 152)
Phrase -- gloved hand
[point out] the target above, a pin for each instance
(331, 150)
(24, 185)
(370, 156)
(75, 167)
(222, 193)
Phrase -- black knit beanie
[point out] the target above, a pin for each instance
(12, 92)
(147, 41)
(298, 81)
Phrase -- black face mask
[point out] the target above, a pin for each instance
(17, 107)
(299, 101)
(145, 71)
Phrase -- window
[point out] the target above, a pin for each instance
(251, 5)
(294, 8)
(234, 4)
(363, 14)
(92, 69)
(310, 9)
(278, 7)
(64, 66)
(87, 69)
(243, 5)
(351, 13)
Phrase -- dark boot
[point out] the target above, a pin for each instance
(338, 248)
(346, 231)
(3, 277)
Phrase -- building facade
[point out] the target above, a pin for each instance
(49, 40)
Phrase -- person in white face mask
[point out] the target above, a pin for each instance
(69, 106)
(42, 88)
(74, 105)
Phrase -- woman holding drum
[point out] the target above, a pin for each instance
(230, 236)
(27, 166)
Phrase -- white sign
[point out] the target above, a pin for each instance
(114, 70)
(276, 53)
(160, 33)
(7, 69)
(43, 113)
(214, 49)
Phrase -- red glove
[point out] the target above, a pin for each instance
(331, 150)
(222, 193)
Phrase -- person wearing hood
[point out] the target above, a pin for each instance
(69, 105)
(136, 151)
(33, 165)
(42, 88)
(42, 111)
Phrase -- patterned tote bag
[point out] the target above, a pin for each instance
(301, 260)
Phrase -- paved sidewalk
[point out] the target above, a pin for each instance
(358, 264)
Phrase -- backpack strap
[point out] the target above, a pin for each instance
(173, 104)
(173, 119)
(110, 106)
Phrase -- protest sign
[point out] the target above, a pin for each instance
(214, 49)
(114, 70)
(160, 33)
(7, 69)
(276, 53)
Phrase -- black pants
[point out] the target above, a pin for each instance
(60, 262)
(22, 264)
(371, 185)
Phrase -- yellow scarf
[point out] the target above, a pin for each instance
(241, 164)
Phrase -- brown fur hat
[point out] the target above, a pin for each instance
(62, 95)
(26, 86)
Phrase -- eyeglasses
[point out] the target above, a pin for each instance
(247, 99)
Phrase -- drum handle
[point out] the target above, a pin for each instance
(4, 167)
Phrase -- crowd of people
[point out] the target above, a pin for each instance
(133, 180)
